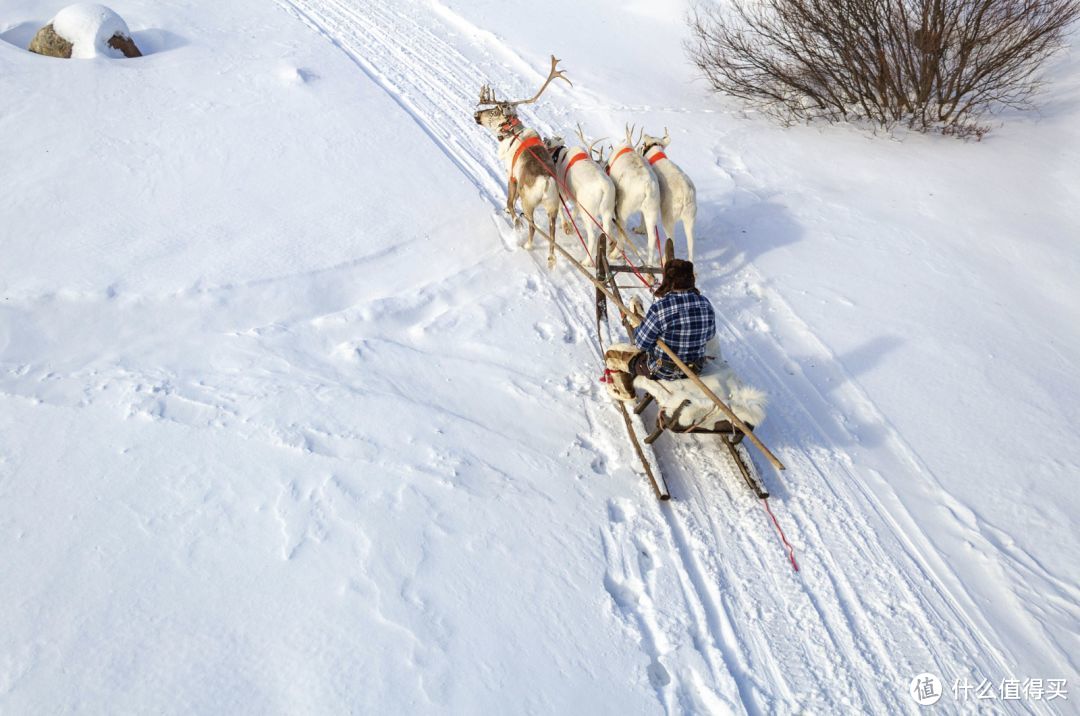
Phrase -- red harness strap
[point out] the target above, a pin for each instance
(525, 144)
(510, 123)
(615, 158)
(576, 158)
(573, 160)
(657, 157)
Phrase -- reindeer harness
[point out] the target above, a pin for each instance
(615, 158)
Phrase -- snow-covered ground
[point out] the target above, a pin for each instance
(289, 423)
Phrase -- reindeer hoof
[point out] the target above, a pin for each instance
(551, 262)
(528, 245)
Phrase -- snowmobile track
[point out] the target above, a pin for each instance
(723, 623)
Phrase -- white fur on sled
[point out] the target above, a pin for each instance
(745, 401)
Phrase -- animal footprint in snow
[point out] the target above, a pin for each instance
(302, 516)
(619, 511)
(579, 384)
(347, 351)
(295, 75)
(658, 675)
(757, 323)
(544, 330)
(755, 290)
(646, 561)
(547, 331)
(598, 464)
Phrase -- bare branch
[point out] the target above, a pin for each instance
(930, 64)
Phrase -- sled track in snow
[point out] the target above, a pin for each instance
(723, 622)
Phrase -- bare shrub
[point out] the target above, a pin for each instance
(929, 64)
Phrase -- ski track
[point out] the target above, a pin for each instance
(723, 622)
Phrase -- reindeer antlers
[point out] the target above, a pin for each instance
(487, 96)
(552, 75)
(581, 134)
(591, 146)
(630, 135)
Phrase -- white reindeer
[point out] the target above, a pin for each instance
(589, 187)
(636, 190)
(530, 171)
(678, 197)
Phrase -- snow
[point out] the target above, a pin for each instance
(89, 27)
(290, 423)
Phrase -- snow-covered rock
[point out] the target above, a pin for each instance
(85, 30)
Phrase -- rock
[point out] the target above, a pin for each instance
(125, 44)
(47, 42)
(85, 30)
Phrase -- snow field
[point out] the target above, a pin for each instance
(304, 431)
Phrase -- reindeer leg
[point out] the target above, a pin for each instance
(532, 232)
(511, 199)
(553, 217)
(614, 251)
(567, 222)
(688, 227)
(593, 236)
(529, 208)
(652, 238)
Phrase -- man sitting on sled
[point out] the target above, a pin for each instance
(681, 317)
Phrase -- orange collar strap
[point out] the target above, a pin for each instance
(657, 157)
(574, 160)
(525, 144)
(615, 158)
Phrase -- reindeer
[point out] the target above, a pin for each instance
(636, 189)
(530, 171)
(678, 197)
(589, 187)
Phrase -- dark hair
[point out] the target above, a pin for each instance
(678, 276)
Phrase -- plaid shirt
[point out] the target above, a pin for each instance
(685, 321)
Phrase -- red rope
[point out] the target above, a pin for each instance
(574, 224)
(633, 268)
(790, 549)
